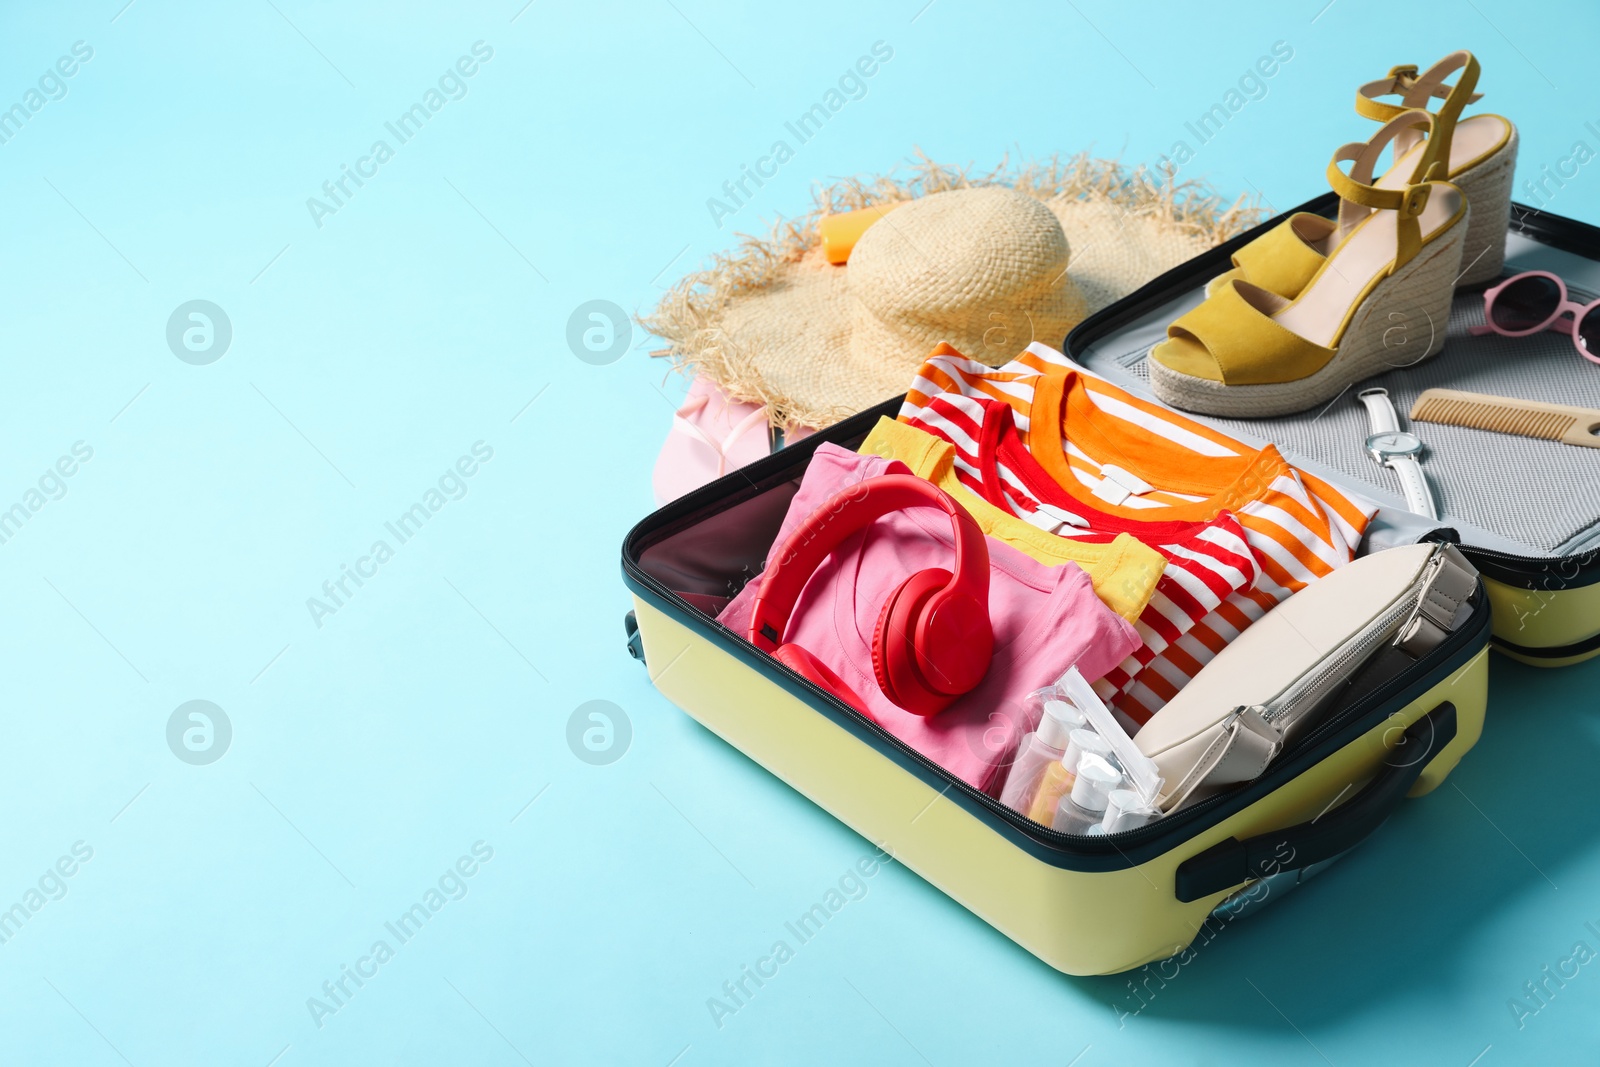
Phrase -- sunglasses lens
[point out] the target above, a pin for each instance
(1526, 303)
(1589, 333)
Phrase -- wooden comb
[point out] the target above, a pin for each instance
(1504, 414)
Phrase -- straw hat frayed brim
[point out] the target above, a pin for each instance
(773, 323)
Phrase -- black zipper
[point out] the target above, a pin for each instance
(1100, 846)
(1526, 572)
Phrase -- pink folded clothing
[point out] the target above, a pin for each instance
(711, 435)
(1045, 619)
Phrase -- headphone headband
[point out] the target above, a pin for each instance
(846, 513)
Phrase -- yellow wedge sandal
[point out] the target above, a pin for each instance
(1378, 300)
(1479, 155)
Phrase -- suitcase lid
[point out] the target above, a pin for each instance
(1519, 504)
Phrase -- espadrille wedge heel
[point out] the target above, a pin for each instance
(1477, 154)
(1487, 184)
(1380, 300)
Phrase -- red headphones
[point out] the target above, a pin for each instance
(933, 641)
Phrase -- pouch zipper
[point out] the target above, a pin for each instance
(1321, 730)
(1307, 691)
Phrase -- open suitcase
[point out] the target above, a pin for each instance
(1153, 889)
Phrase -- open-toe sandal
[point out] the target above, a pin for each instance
(1380, 299)
(1479, 155)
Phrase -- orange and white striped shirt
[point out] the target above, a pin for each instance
(1070, 451)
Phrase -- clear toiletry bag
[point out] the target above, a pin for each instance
(1357, 713)
(1525, 509)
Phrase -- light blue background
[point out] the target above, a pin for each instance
(368, 354)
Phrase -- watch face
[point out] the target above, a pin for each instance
(1394, 443)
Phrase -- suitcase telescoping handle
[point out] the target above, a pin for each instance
(1233, 862)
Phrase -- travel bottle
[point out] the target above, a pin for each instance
(1127, 810)
(1059, 776)
(1037, 750)
(1085, 805)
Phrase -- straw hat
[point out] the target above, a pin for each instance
(989, 265)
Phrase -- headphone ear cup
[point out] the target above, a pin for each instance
(894, 645)
(814, 670)
(955, 636)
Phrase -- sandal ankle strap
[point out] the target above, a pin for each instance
(1358, 196)
(1417, 90)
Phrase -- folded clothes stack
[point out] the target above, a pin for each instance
(1237, 528)
(1121, 540)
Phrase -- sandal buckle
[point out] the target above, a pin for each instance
(1416, 200)
(1404, 75)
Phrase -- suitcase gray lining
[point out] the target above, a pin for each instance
(1499, 491)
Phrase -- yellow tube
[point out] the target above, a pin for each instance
(841, 232)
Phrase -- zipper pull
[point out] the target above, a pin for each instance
(1256, 740)
(1258, 719)
(1247, 745)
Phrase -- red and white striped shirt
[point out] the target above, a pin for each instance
(1240, 528)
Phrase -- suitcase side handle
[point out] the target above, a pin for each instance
(1232, 862)
(630, 624)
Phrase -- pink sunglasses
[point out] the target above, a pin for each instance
(1535, 301)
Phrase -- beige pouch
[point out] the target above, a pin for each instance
(1234, 717)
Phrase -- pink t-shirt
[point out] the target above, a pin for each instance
(1045, 620)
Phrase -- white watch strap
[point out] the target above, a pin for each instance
(1414, 484)
(1382, 418)
(1380, 410)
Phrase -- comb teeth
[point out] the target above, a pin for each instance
(1549, 425)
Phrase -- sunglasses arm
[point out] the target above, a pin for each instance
(1560, 324)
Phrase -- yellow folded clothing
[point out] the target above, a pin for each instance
(1123, 571)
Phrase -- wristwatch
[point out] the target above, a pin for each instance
(1398, 450)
